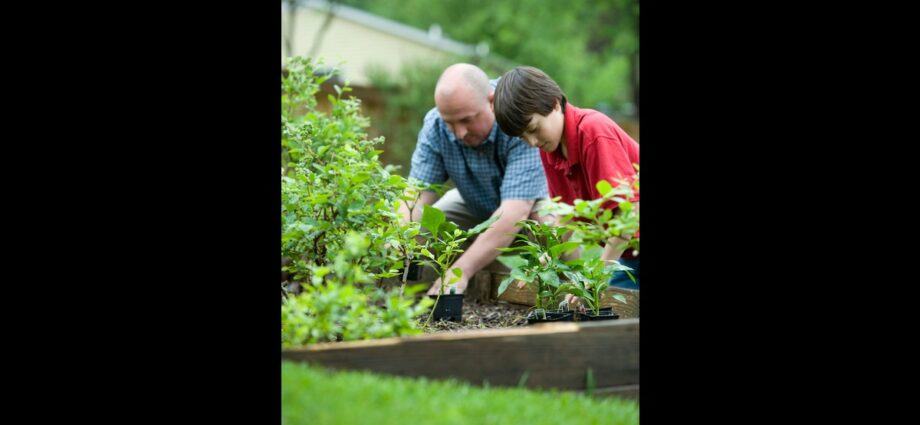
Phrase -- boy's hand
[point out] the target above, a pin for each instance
(574, 303)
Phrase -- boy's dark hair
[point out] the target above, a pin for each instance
(522, 92)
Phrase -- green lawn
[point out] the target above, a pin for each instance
(311, 395)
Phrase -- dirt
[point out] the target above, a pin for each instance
(478, 315)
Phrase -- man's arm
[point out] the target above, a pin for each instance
(483, 250)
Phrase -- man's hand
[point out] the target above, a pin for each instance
(460, 285)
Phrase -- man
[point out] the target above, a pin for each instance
(493, 172)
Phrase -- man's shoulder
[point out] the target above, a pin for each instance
(431, 126)
(432, 116)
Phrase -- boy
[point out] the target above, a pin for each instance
(579, 147)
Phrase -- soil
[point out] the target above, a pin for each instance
(478, 315)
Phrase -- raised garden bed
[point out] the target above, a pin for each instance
(556, 355)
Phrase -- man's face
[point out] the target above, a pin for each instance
(545, 132)
(468, 116)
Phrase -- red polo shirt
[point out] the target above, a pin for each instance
(598, 149)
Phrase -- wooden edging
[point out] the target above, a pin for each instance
(556, 355)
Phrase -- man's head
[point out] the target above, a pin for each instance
(529, 104)
(463, 97)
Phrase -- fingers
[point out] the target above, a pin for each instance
(435, 287)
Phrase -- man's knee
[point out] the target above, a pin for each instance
(456, 210)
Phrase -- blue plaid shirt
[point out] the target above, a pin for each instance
(500, 168)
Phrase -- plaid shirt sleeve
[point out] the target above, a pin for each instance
(524, 176)
(427, 161)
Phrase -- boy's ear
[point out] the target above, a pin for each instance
(491, 96)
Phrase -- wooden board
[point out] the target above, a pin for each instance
(554, 355)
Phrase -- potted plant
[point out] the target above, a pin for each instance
(445, 241)
(591, 224)
(409, 243)
(539, 261)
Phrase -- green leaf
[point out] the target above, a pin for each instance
(603, 187)
(563, 248)
(620, 298)
(448, 227)
(606, 215)
(359, 178)
(484, 225)
(519, 274)
(321, 271)
(512, 261)
(432, 219)
(502, 287)
(550, 278)
(457, 271)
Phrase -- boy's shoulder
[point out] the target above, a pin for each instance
(589, 120)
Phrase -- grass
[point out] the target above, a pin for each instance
(311, 395)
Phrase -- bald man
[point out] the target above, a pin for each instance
(493, 172)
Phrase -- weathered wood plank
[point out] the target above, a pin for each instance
(624, 391)
(555, 355)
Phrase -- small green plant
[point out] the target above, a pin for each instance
(590, 224)
(540, 249)
(588, 278)
(407, 241)
(445, 244)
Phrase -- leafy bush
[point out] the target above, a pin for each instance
(341, 230)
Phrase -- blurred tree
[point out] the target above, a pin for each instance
(590, 47)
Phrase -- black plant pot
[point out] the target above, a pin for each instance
(449, 307)
(606, 313)
(551, 316)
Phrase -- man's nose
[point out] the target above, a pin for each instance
(460, 131)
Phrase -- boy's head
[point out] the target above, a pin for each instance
(530, 105)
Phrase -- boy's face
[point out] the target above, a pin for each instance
(545, 132)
